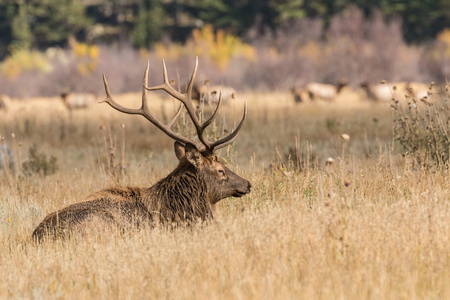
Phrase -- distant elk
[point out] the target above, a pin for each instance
(384, 91)
(210, 94)
(77, 100)
(188, 194)
(421, 91)
(315, 90)
(4, 101)
(380, 92)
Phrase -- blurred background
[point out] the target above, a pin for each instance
(51, 46)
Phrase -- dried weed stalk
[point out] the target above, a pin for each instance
(422, 127)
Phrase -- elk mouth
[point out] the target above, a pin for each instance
(244, 191)
(240, 193)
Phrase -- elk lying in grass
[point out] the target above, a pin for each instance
(77, 100)
(187, 194)
(210, 94)
(315, 91)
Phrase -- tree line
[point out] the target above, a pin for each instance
(32, 24)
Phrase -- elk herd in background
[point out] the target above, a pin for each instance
(313, 91)
(379, 92)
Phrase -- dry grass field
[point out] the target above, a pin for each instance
(368, 226)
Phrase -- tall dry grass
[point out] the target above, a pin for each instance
(368, 226)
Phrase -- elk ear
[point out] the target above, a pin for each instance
(193, 155)
(179, 150)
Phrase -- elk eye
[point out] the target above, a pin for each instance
(222, 172)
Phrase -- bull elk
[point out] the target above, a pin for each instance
(77, 100)
(189, 193)
(316, 90)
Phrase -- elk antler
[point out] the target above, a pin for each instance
(186, 100)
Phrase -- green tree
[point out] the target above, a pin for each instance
(8, 10)
(20, 30)
(149, 25)
(422, 19)
(53, 22)
(238, 16)
(289, 9)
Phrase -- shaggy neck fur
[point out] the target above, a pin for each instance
(181, 196)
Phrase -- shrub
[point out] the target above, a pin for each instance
(218, 47)
(39, 163)
(422, 128)
(24, 60)
(85, 55)
(436, 57)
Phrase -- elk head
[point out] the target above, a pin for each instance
(196, 157)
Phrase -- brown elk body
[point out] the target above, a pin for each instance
(187, 194)
(318, 91)
(380, 92)
(210, 94)
(383, 92)
(77, 100)
(421, 91)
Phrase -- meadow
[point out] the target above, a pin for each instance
(369, 224)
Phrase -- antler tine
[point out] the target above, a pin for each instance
(223, 142)
(191, 80)
(186, 100)
(174, 118)
(213, 116)
(144, 96)
(109, 99)
(144, 91)
(144, 111)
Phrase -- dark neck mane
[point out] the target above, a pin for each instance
(182, 195)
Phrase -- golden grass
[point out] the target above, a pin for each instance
(298, 235)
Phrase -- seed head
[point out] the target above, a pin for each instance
(345, 137)
(329, 161)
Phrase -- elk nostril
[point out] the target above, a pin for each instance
(249, 185)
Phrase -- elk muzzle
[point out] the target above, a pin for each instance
(244, 190)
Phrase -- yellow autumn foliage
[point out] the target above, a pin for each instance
(86, 56)
(218, 46)
(444, 37)
(24, 60)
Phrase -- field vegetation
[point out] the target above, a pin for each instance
(337, 210)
